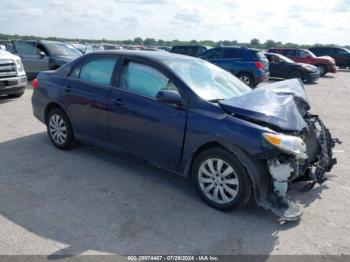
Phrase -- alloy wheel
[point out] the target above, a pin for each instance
(58, 129)
(218, 180)
(245, 79)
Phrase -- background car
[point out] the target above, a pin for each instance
(324, 64)
(249, 65)
(42, 55)
(283, 67)
(190, 50)
(339, 54)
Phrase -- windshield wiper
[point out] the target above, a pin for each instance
(216, 100)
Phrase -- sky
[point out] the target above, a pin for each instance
(297, 21)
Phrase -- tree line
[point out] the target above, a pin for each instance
(254, 43)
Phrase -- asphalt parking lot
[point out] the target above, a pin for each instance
(91, 201)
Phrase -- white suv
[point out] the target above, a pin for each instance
(13, 79)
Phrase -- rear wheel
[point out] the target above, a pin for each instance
(59, 129)
(322, 69)
(246, 78)
(220, 179)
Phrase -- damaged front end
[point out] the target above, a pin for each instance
(310, 165)
(299, 145)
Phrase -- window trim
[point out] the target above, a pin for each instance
(127, 59)
(212, 50)
(81, 62)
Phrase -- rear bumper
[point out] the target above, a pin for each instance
(261, 76)
(13, 85)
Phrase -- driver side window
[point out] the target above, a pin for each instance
(144, 80)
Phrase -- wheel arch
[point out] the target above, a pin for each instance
(52, 105)
(256, 169)
(250, 74)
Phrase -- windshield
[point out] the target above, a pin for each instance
(207, 80)
(286, 59)
(62, 49)
(310, 53)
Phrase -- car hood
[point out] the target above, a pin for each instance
(282, 104)
(7, 55)
(326, 57)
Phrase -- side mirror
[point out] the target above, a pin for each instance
(42, 54)
(2, 47)
(169, 96)
(308, 56)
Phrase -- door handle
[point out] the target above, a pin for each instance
(67, 89)
(117, 101)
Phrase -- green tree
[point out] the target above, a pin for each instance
(138, 41)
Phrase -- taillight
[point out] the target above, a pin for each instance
(35, 83)
(259, 65)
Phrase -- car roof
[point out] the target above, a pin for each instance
(158, 56)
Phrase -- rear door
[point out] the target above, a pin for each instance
(87, 95)
(32, 60)
(277, 67)
(139, 123)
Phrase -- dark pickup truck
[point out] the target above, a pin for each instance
(339, 54)
(249, 65)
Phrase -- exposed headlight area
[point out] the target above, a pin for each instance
(288, 144)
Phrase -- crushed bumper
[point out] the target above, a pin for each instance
(313, 169)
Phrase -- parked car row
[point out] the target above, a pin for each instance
(282, 62)
(41, 55)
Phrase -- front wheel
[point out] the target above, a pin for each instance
(59, 129)
(295, 74)
(322, 69)
(220, 179)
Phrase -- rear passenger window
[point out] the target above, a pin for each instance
(232, 53)
(290, 53)
(212, 54)
(144, 80)
(98, 70)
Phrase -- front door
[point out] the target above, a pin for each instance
(139, 123)
(32, 60)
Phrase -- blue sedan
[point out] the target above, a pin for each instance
(192, 118)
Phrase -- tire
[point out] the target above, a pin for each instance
(295, 74)
(323, 69)
(16, 95)
(246, 78)
(63, 137)
(235, 185)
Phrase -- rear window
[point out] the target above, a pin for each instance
(233, 53)
(98, 70)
